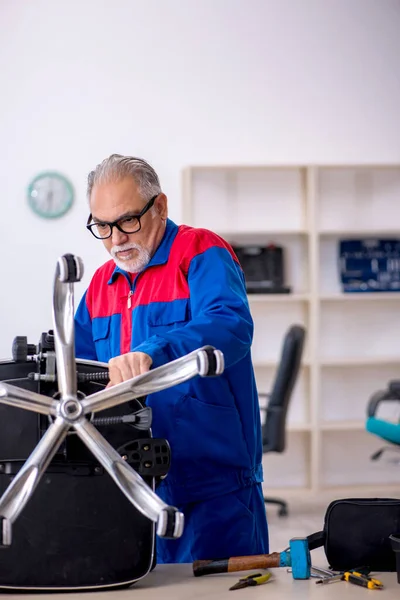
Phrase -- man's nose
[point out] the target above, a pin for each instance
(118, 238)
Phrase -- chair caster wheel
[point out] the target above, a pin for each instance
(210, 362)
(170, 524)
(283, 511)
(70, 268)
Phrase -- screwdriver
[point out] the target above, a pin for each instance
(363, 580)
(355, 578)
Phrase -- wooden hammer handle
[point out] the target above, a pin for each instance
(236, 563)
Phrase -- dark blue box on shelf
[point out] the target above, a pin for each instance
(370, 265)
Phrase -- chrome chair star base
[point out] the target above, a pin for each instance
(81, 488)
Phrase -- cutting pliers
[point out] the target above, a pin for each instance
(250, 580)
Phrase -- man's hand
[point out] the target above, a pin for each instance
(127, 366)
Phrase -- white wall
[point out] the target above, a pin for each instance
(177, 82)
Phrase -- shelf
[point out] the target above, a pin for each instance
(245, 167)
(265, 364)
(307, 210)
(362, 233)
(256, 298)
(359, 490)
(360, 361)
(273, 364)
(360, 297)
(299, 427)
(342, 426)
(266, 233)
(358, 166)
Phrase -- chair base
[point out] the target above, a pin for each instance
(283, 507)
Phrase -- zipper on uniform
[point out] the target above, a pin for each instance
(130, 298)
(132, 286)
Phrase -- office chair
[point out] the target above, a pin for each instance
(383, 429)
(83, 477)
(274, 425)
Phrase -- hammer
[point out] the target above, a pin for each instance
(297, 556)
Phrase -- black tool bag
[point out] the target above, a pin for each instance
(356, 533)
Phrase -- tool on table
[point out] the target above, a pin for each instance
(356, 578)
(329, 574)
(251, 580)
(297, 556)
(318, 572)
(312, 574)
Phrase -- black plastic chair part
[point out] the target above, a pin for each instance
(274, 423)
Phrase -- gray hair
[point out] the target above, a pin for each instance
(116, 167)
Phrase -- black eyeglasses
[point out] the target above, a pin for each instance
(127, 224)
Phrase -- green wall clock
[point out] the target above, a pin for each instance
(50, 195)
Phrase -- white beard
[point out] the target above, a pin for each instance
(132, 265)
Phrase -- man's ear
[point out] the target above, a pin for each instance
(161, 206)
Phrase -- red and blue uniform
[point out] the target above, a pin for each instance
(191, 294)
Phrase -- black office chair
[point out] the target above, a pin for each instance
(274, 425)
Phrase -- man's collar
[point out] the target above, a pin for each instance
(161, 254)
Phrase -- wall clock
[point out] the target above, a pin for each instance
(50, 195)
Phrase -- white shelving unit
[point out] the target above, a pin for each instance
(353, 340)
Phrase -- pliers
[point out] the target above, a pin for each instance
(249, 580)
